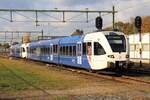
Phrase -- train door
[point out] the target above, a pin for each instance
(100, 58)
(51, 52)
(79, 53)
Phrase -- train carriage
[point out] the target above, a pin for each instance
(94, 51)
(15, 50)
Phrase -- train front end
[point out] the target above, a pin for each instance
(118, 58)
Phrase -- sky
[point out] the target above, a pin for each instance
(127, 9)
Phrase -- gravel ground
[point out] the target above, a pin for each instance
(90, 88)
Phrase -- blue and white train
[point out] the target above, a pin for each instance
(94, 51)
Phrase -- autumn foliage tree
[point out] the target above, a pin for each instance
(77, 32)
(129, 28)
(145, 24)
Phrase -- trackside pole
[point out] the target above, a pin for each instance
(140, 51)
(138, 24)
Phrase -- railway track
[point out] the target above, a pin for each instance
(119, 77)
(113, 76)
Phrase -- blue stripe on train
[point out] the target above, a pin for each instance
(66, 60)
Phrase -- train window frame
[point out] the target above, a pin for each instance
(79, 50)
(99, 47)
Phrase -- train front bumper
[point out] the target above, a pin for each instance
(117, 64)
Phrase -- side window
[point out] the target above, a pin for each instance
(53, 48)
(70, 50)
(23, 49)
(48, 50)
(56, 49)
(74, 50)
(67, 50)
(61, 50)
(84, 48)
(98, 49)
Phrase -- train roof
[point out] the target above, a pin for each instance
(15, 46)
(44, 42)
(111, 32)
(70, 39)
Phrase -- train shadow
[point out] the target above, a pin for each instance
(133, 72)
(136, 73)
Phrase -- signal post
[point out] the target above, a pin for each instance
(138, 24)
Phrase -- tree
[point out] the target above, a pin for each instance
(77, 32)
(6, 45)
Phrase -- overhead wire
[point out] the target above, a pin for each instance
(25, 16)
(131, 7)
(44, 13)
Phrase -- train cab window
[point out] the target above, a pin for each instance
(98, 49)
(117, 42)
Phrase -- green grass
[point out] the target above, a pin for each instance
(19, 75)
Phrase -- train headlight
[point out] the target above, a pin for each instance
(111, 56)
(127, 56)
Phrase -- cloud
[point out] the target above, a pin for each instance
(136, 8)
(15, 4)
(140, 7)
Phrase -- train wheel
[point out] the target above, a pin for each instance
(91, 71)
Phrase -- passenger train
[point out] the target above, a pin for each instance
(93, 51)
